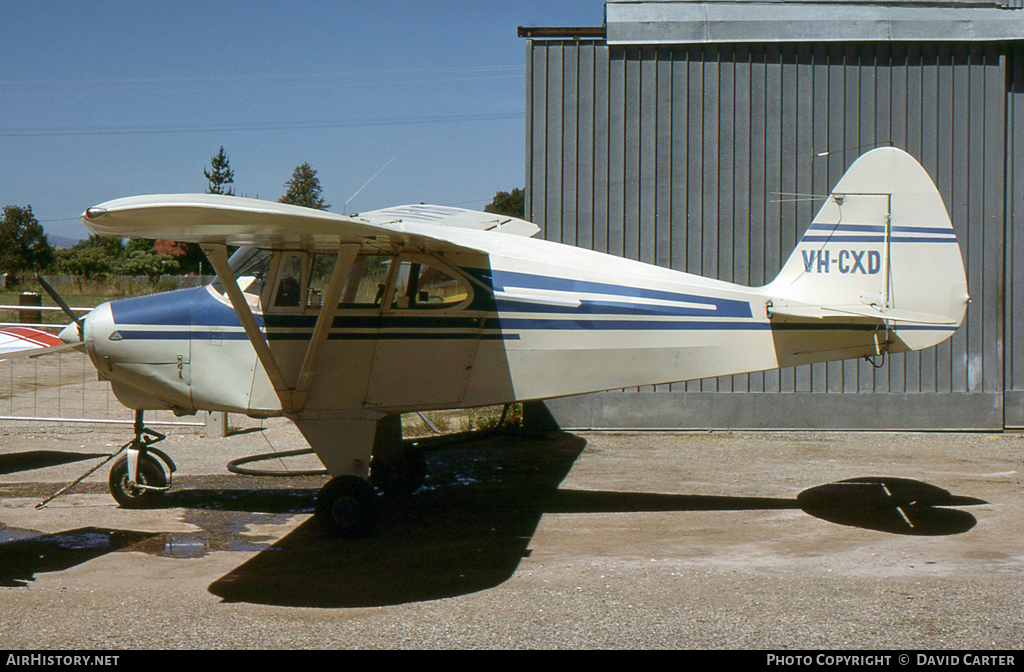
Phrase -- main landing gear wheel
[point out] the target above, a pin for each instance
(151, 475)
(347, 507)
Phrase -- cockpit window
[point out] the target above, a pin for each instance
(245, 258)
(321, 268)
(289, 282)
(367, 281)
(373, 281)
(423, 286)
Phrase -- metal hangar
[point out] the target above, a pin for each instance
(697, 135)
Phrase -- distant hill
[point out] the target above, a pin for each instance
(62, 241)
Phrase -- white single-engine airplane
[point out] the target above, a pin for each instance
(342, 323)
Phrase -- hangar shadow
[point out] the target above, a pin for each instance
(470, 527)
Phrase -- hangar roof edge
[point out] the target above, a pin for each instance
(639, 22)
(661, 22)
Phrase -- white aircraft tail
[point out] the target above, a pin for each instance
(882, 252)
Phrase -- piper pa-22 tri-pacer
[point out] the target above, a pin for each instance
(342, 323)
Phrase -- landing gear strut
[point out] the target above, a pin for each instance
(369, 460)
(143, 474)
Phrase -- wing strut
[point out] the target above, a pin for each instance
(293, 398)
(218, 256)
(328, 308)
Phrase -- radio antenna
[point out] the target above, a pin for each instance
(344, 208)
(879, 143)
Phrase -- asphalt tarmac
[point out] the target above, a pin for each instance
(769, 540)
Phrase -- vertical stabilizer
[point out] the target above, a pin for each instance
(881, 250)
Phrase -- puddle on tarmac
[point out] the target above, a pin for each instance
(218, 532)
(8, 534)
(224, 520)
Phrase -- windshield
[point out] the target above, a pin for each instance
(250, 267)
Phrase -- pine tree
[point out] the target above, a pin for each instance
(304, 189)
(220, 175)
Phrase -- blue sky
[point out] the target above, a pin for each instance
(105, 99)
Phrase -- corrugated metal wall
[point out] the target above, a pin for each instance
(688, 156)
(1014, 355)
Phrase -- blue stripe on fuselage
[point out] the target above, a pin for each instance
(196, 311)
(631, 325)
(715, 306)
(588, 307)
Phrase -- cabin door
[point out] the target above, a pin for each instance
(427, 339)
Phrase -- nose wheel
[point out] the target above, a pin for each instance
(143, 474)
(149, 484)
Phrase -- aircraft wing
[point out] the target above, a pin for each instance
(231, 220)
(18, 341)
(440, 215)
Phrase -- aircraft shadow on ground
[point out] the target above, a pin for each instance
(22, 559)
(468, 529)
(12, 463)
(894, 505)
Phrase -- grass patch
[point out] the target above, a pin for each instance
(86, 300)
(461, 420)
(80, 293)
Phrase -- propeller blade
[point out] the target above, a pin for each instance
(60, 302)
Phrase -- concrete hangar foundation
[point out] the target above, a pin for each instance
(694, 134)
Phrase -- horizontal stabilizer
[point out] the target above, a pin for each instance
(868, 312)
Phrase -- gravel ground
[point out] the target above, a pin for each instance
(584, 540)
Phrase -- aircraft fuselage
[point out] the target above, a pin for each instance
(536, 320)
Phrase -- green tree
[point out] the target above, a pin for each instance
(509, 204)
(95, 257)
(146, 262)
(304, 189)
(23, 244)
(100, 256)
(189, 257)
(220, 174)
(142, 256)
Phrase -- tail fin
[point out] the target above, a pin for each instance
(880, 257)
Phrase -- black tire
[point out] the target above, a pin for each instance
(150, 473)
(347, 507)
